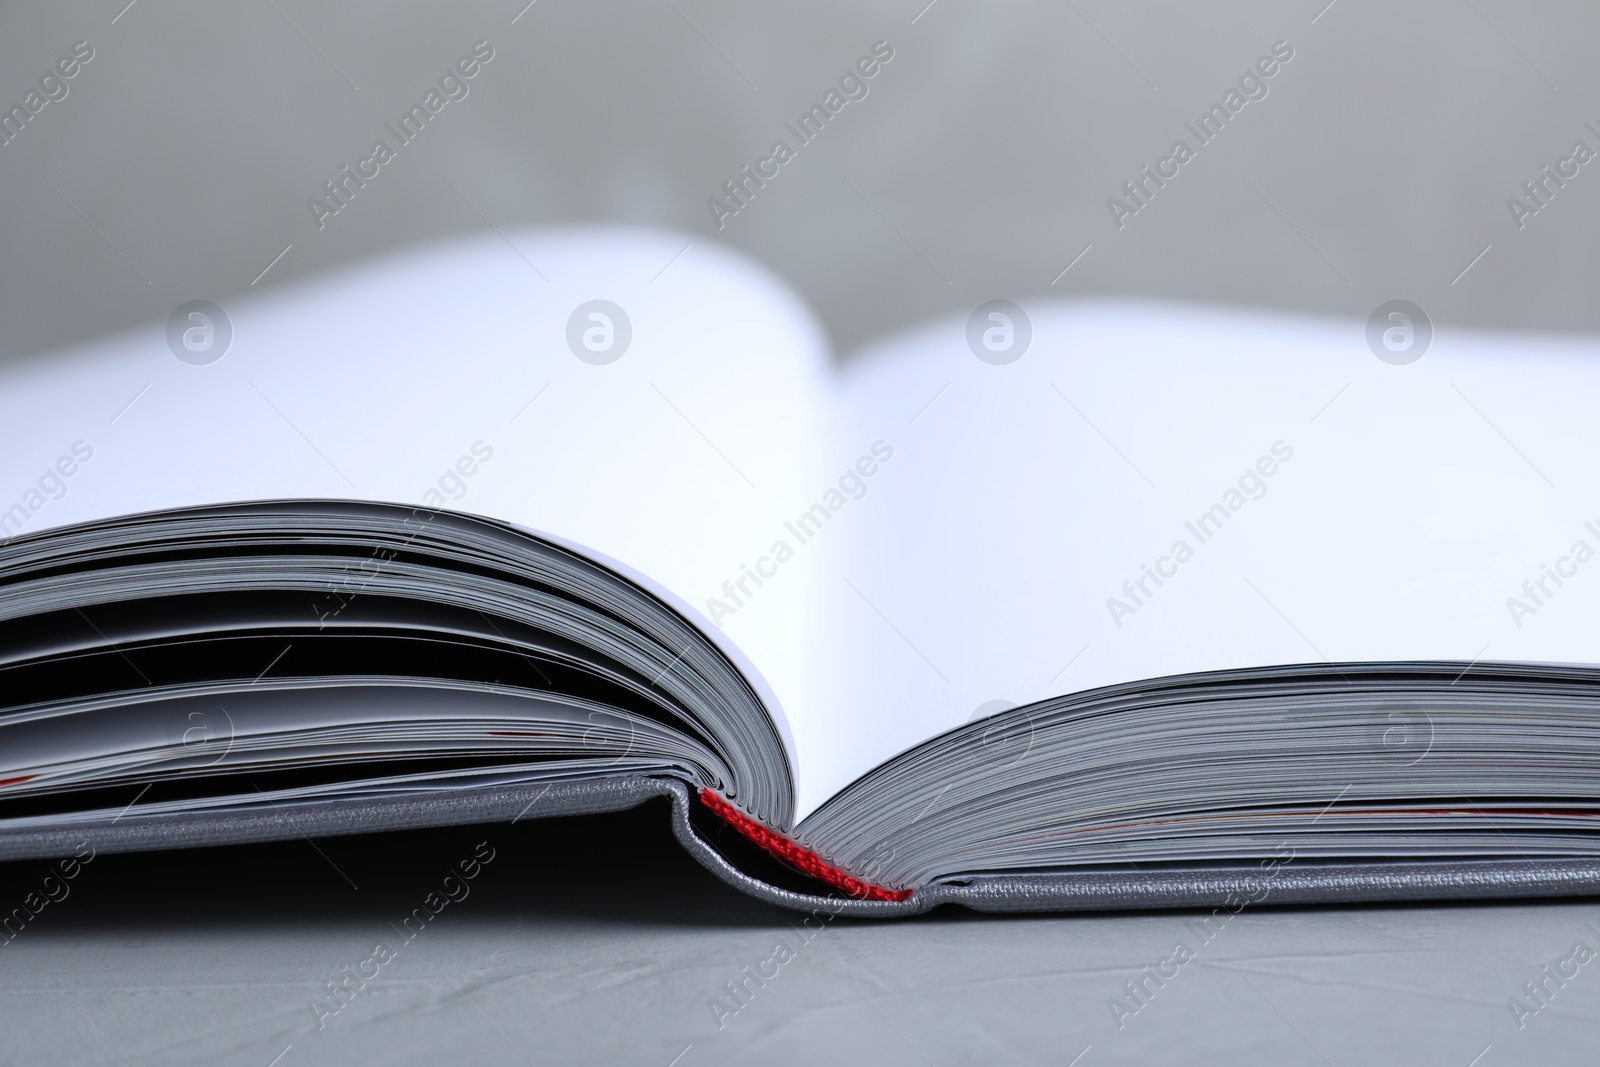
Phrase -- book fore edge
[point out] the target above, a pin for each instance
(798, 856)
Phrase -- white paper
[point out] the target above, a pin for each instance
(1417, 501)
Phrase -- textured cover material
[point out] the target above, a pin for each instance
(1091, 890)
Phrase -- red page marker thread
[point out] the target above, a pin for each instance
(796, 855)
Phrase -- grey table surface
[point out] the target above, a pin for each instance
(595, 939)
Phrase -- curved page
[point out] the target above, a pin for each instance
(651, 403)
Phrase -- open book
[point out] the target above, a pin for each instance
(1057, 605)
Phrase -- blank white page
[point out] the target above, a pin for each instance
(1405, 506)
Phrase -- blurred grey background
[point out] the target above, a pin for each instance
(978, 166)
(1378, 166)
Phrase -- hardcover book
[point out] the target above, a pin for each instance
(1046, 605)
